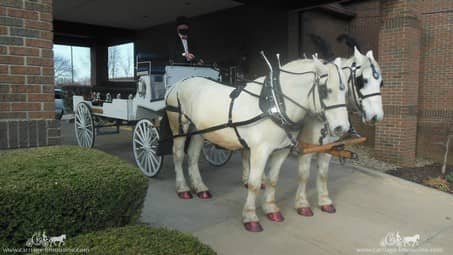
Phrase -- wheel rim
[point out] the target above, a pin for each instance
(84, 126)
(145, 142)
(214, 155)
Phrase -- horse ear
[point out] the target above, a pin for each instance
(370, 54)
(359, 57)
(320, 67)
(356, 51)
(337, 62)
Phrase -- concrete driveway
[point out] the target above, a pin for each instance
(370, 206)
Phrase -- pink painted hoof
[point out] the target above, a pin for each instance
(185, 195)
(305, 211)
(328, 208)
(262, 186)
(253, 226)
(204, 195)
(275, 216)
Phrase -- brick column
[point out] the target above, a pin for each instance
(399, 58)
(27, 108)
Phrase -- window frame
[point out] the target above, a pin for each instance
(92, 63)
(126, 79)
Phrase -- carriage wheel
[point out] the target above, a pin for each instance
(84, 126)
(215, 155)
(145, 141)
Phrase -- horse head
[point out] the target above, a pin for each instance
(368, 86)
(332, 91)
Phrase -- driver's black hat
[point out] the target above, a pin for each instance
(182, 20)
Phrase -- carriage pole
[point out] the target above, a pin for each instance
(335, 149)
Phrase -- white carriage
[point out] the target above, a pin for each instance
(144, 111)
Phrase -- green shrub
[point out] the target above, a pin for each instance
(138, 239)
(449, 177)
(66, 190)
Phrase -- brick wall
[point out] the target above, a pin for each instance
(420, 120)
(399, 58)
(436, 79)
(27, 108)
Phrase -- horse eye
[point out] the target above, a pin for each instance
(365, 81)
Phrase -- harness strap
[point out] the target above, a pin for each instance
(226, 125)
(369, 95)
(171, 108)
(234, 94)
(334, 106)
(181, 130)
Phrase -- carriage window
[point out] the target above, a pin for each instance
(121, 62)
(72, 65)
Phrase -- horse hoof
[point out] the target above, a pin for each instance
(253, 226)
(262, 186)
(275, 216)
(204, 195)
(185, 195)
(328, 208)
(305, 211)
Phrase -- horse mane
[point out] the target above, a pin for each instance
(299, 65)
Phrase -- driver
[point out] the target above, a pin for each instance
(183, 50)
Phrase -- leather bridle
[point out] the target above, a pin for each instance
(356, 83)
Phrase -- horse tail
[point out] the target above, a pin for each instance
(165, 136)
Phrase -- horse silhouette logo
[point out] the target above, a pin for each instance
(394, 239)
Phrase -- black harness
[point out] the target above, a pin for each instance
(271, 103)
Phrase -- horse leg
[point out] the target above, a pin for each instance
(196, 144)
(178, 157)
(245, 153)
(269, 206)
(321, 183)
(258, 158)
(302, 205)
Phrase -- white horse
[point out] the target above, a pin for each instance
(201, 103)
(365, 96)
(364, 81)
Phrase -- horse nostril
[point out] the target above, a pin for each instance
(374, 119)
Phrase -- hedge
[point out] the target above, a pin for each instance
(66, 190)
(139, 239)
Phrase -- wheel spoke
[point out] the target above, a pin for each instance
(151, 164)
(139, 142)
(139, 133)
